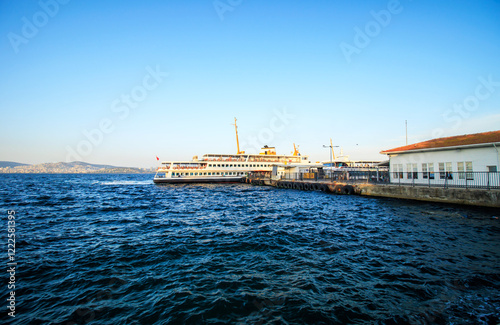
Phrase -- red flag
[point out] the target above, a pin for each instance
(157, 158)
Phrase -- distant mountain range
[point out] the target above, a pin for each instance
(75, 167)
(11, 164)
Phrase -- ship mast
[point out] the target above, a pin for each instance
(331, 146)
(237, 141)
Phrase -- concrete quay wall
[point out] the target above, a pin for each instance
(477, 197)
(470, 196)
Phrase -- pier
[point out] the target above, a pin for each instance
(485, 191)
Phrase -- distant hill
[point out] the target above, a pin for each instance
(81, 163)
(75, 167)
(4, 164)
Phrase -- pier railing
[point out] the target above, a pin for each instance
(485, 180)
(349, 176)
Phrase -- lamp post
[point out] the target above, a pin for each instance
(331, 146)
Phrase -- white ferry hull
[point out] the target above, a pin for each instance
(180, 180)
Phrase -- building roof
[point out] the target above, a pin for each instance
(455, 141)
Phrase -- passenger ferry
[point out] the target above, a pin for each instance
(218, 168)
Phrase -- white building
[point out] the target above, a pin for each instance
(464, 160)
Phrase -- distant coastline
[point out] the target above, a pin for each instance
(75, 167)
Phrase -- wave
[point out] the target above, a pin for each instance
(149, 182)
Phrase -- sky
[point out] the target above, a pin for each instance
(124, 82)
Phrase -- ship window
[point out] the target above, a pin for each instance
(210, 165)
(218, 173)
(209, 173)
(218, 165)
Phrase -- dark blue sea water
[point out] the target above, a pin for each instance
(117, 249)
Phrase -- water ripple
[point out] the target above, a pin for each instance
(117, 249)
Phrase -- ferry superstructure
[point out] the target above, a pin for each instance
(218, 168)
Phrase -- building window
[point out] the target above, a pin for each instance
(425, 174)
(461, 170)
(398, 171)
(468, 169)
(415, 171)
(445, 171)
(409, 174)
(431, 170)
(492, 169)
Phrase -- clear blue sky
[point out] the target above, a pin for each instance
(166, 78)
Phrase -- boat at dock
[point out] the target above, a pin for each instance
(223, 168)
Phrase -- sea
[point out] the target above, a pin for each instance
(118, 249)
